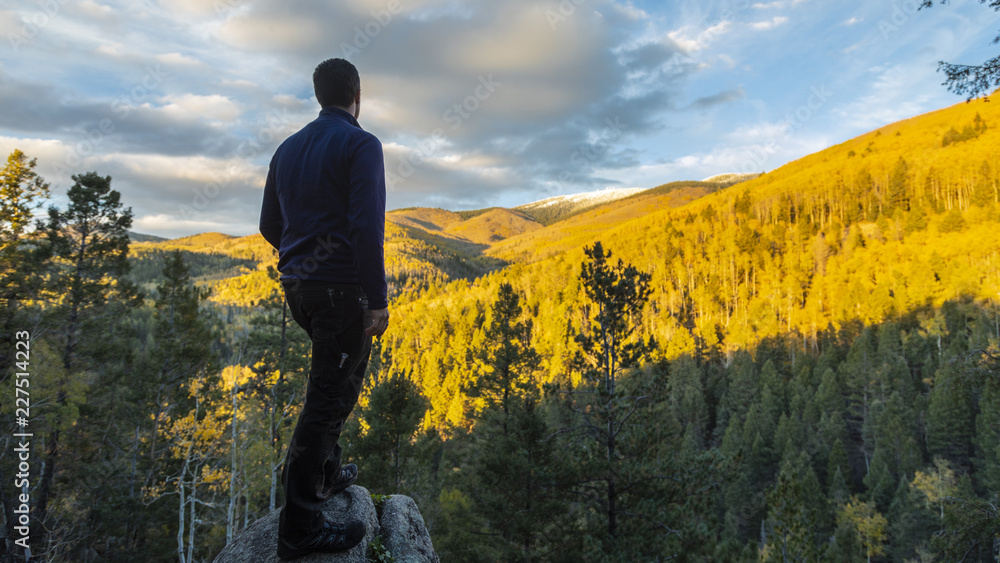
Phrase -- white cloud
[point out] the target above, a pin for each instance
(851, 48)
(240, 82)
(94, 10)
(692, 41)
(111, 49)
(758, 133)
(631, 12)
(177, 59)
(194, 169)
(198, 7)
(43, 149)
(290, 33)
(187, 106)
(769, 24)
(777, 4)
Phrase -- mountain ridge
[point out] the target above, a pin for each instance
(429, 246)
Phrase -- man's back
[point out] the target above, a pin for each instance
(324, 210)
(324, 205)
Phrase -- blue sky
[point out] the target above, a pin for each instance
(477, 104)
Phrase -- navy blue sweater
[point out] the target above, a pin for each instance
(324, 205)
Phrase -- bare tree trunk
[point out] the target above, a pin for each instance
(180, 514)
(193, 502)
(612, 493)
(231, 510)
(182, 486)
(272, 505)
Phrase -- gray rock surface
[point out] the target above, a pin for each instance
(259, 542)
(404, 533)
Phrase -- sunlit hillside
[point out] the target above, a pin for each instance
(944, 153)
(556, 208)
(427, 247)
(886, 224)
(732, 177)
(806, 221)
(423, 247)
(890, 225)
(495, 225)
(212, 257)
(581, 228)
(479, 227)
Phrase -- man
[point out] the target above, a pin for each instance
(324, 210)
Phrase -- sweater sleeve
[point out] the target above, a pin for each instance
(271, 224)
(366, 215)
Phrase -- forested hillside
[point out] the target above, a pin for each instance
(823, 327)
(801, 366)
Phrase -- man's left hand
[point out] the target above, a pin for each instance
(380, 322)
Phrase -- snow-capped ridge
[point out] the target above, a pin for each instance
(584, 198)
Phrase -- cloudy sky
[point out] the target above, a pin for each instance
(477, 103)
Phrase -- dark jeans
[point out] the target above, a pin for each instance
(334, 315)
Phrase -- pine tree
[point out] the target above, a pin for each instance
(880, 480)
(795, 505)
(506, 357)
(607, 349)
(518, 477)
(984, 192)
(89, 243)
(384, 434)
(987, 439)
(514, 475)
(897, 196)
(844, 545)
(911, 524)
(950, 425)
(744, 502)
(687, 399)
(952, 222)
(183, 338)
(619, 292)
(838, 472)
(916, 220)
(971, 526)
(742, 389)
(20, 189)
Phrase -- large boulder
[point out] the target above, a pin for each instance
(403, 532)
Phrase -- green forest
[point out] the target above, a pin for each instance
(803, 366)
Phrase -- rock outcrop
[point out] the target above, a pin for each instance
(401, 530)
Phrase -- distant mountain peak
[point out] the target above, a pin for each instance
(583, 199)
(733, 177)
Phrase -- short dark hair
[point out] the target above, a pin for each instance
(336, 82)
